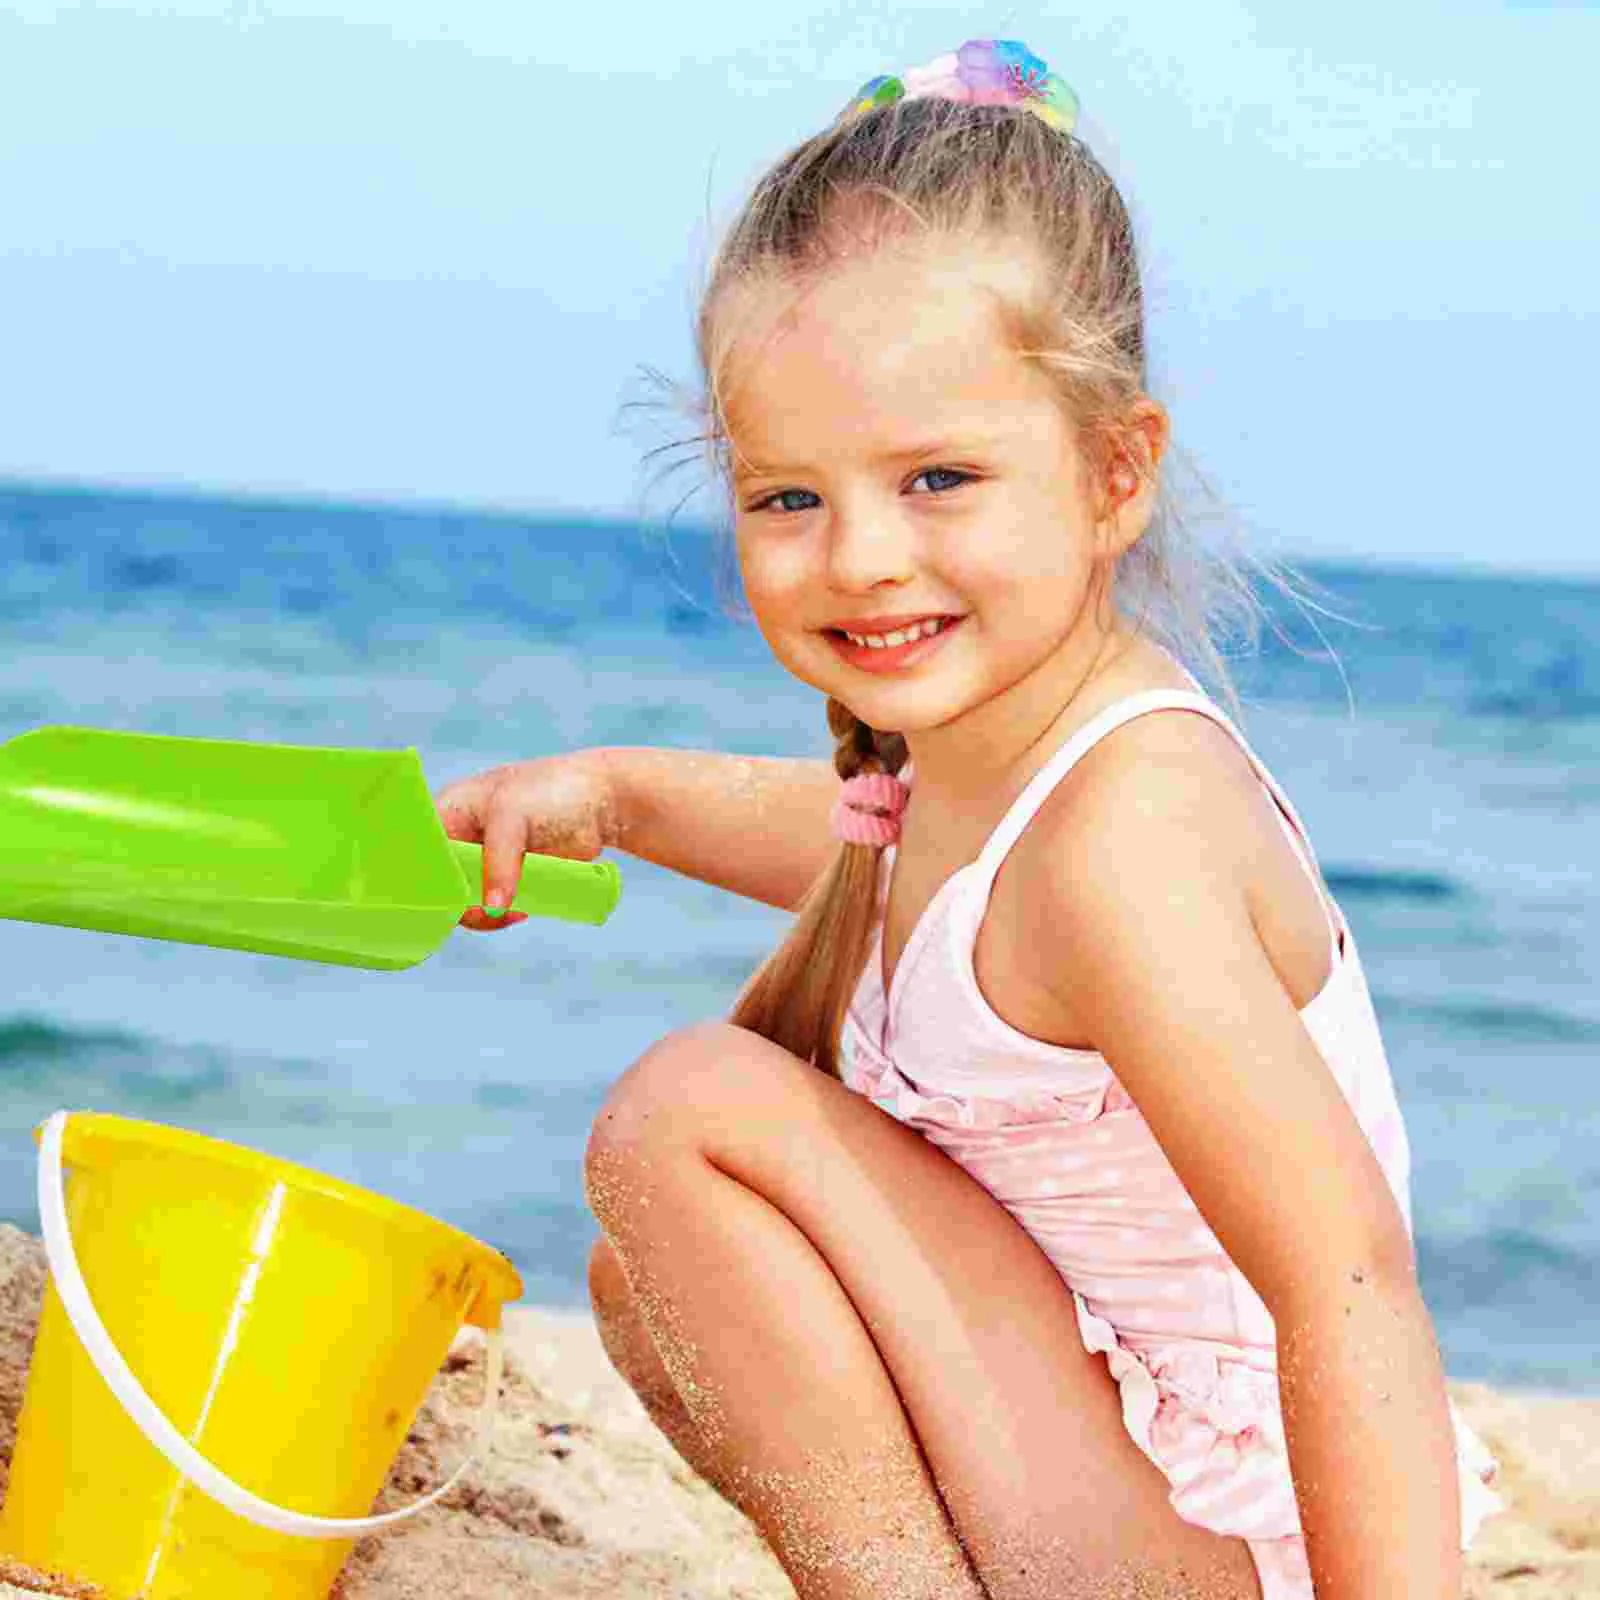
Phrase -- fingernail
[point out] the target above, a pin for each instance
(494, 903)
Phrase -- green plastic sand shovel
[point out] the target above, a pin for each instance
(289, 850)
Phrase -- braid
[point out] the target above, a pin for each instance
(799, 994)
(859, 748)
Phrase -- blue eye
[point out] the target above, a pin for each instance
(927, 472)
(762, 505)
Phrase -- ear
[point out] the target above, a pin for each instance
(1128, 494)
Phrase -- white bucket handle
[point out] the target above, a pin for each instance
(152, 1422)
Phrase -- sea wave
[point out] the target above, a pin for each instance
(32, 1046)
(43, 1058)
(1504, 1021)
(1360, 883)
(1504, 1262)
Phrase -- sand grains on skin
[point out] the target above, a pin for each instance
(584, 1497)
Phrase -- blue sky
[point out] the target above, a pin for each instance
(408, 251)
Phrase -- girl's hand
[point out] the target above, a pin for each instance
(555, 805)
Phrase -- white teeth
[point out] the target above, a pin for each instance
(883, 641)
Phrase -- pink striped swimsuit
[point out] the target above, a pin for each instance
(1056, 1139)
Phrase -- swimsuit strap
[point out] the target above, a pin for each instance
(1022, 809)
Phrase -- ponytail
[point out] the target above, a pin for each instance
(799, 994)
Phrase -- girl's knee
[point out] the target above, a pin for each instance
(650, 1110)
(655, 1099)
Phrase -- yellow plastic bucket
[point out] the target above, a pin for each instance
(231, 1351)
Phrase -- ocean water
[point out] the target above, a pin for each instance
(1447, 764)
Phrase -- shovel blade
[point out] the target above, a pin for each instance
(329, 855)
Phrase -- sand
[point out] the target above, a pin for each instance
(583, 1496)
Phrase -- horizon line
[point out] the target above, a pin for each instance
(313, 499)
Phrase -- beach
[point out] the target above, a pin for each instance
(583, 1496)
(1441, 751)
(1443, 763)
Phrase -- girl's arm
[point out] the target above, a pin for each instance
(1159, 957)
(755, 825)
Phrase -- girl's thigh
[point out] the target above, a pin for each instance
(1021, 1425)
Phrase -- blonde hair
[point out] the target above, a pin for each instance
(968, 174)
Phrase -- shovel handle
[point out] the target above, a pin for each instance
(551, 886)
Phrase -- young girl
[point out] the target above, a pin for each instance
(1038, 1225)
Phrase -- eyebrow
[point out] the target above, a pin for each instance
(952, 445)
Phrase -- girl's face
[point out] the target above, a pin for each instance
(893, 460)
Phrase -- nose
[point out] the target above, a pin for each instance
(869, 547)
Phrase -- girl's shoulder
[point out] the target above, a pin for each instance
(1169, 763)
(1179, 790)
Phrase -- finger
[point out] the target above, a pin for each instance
(505, 839)
(458, 814)
(477, 921)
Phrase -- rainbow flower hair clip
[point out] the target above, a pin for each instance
(984, 72)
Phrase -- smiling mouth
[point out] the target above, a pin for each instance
(867, 655)
(895, 637)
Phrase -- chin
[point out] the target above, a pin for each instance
(903, 714)
(890, 705)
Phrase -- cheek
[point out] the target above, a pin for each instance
(1018, 538)
(1005, 572)
(774, 580)
(773, 590)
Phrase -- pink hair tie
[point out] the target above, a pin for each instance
(868, 809)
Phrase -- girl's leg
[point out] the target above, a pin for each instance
(883, 1368)
(632, 1352)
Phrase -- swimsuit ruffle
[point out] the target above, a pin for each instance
(1201, 1418)
(876, 1077)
